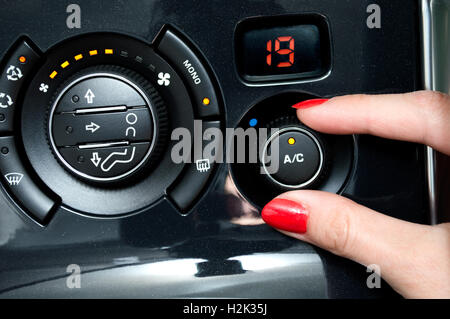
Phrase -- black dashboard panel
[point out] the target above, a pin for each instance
(163, 229)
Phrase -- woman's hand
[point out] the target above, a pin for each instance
(414, 259)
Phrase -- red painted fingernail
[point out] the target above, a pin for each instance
(286, 215)
(309, 103)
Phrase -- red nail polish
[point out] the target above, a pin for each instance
(309, 103)
(286, 215)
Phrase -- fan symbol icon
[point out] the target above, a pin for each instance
(164, 79)
(43, 87)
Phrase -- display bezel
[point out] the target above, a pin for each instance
(256, 23)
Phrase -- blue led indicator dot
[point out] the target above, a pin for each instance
(253, 122)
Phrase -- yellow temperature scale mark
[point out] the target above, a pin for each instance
(77, 58)
(53, 74)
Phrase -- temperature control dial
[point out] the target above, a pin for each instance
(106, 123)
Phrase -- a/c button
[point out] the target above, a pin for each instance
(299, 155)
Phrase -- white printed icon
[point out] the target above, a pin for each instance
(5, 100)
(164, 79)
(89, 96)
(296, 158)
(13, 73)
(43, 87)
(131, 119)
(14, 178)
(92, 127)
(203, 165)
(95, 159)
(132, 130)
(114, 159)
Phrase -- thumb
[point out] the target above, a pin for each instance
(350, 230)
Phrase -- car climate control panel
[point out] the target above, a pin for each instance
(89, 122)
(140, 140)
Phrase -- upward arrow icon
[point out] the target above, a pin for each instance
(89, 96)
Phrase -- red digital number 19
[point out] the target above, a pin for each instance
(276, 50)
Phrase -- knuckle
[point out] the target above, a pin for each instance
(339, 236)
(435, 109)
(355, 99)
(358, 99)
(432, 102)
(370, 118)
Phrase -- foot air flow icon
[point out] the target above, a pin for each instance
(14, 178)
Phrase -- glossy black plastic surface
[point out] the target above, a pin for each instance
(222, 248)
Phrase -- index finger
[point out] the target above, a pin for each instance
(422, 117)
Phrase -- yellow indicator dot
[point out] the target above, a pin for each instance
(291, 141)
(65, 64)
(93, 52)
(78, 57)
(53, 74)
(108, 51)
(22, 59)
(206, 101)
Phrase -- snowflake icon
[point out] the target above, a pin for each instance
(163, 79)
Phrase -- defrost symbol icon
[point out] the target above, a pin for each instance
(203, 165)
(14, 178)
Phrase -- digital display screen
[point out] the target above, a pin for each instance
(271, 53)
